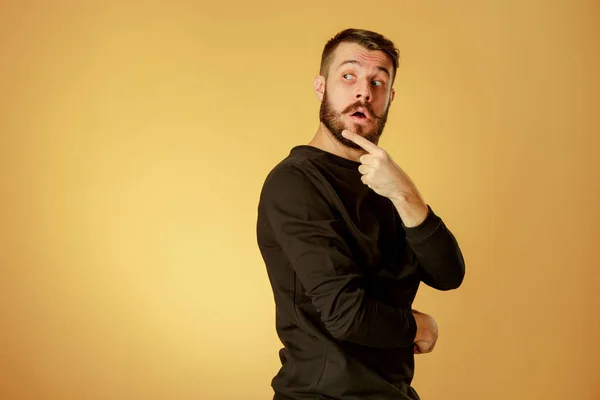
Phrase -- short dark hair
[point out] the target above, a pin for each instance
(368, 39)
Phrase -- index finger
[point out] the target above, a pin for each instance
(361, 141)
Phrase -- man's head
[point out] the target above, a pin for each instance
(358, 69)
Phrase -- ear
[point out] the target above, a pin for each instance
(392, 95)
(319, 84)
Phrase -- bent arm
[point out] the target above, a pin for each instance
(438, 254)
(311, 234)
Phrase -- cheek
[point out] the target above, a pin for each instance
(337, 100)
(384, 102)
(335, 92)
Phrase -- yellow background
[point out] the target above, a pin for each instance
(135, 138)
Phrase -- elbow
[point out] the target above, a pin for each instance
(339, 334)
(455, 275)
(452, 278)
(340, 328)
(342, 318)
(451, 284)
(455, 280)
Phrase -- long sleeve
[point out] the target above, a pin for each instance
(312, 235)
(438, 254)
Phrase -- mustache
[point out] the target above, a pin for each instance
(358, 105)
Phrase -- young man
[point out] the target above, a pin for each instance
(347, 239)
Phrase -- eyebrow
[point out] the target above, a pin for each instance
(358, 63)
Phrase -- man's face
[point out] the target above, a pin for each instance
(357, 94)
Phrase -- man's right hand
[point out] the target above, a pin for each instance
(427, 332)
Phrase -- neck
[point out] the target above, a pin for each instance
(325, 140)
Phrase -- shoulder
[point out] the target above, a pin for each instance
(296, 186)
(300, 166)
(290, 176)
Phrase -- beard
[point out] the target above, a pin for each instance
(333, 122)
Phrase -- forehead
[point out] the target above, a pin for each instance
(367, 58)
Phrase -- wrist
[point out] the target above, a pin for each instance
(412, 210)
(420, 335)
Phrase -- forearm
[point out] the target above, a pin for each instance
(436, 250)
(357, 318)
(381, 325)
(441, 261)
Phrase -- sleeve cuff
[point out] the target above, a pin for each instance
(425, 229)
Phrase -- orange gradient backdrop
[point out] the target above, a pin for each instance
(135, 138)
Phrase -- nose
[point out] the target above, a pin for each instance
(363, 92)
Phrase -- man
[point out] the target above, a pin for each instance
(347, 239)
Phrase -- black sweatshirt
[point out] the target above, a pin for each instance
(344, 272)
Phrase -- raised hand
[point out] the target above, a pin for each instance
(385, 177)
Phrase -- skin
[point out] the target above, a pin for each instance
(358, 77)
(349, 83)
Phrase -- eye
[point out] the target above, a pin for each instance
(377, 83)
(347, 76)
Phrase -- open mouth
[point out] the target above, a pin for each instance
(359, 116)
